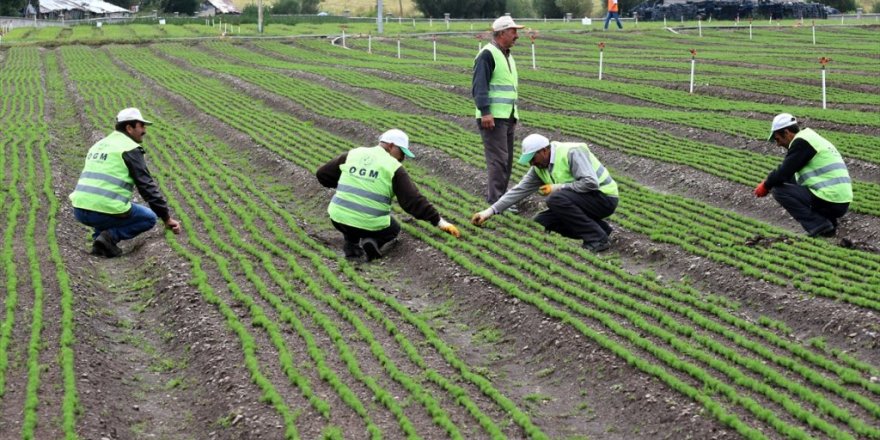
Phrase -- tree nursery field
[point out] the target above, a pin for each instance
(712, 316)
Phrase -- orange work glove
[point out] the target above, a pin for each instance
(546, 189)
(761, 190)
(449, 228)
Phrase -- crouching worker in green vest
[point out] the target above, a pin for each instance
(366, 180)
(812, 183)
(114, 167)
(580, 191)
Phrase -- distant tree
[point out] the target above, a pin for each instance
(183, 7)
(286, 7)
(10, 8)
(841, 5)
(309, 6)
(461, 9)
(626, 6)
(578, 8)
(520, 8)
(548, 8)
(875, 8)
(249, 13)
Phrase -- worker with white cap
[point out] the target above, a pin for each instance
(366, 180)
(580, 191)
(812, 183)
(494, 88)
(114, 167)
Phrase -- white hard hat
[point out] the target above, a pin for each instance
(131, 114)
(399, 138)
(781, 121)
(531, 145)
(504, 22)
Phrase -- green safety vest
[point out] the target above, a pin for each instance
(364, 193)
(825, 174)
(502, 85)
(105, 185)
(562, 168)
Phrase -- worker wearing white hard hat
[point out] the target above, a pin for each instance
(114, 167)
(495, 91)
(580, 191)
(367, 180)
(812, 183)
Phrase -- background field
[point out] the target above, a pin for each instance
(712, 316)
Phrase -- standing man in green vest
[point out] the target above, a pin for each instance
(114, 167)
(366, 180)
(494, 90)
(580, 191)
(812, 183)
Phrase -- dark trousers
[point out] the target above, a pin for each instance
(813, 213)
(498, 149)
(578, 215)
(354, 235)
(615, 16)
(139, 220)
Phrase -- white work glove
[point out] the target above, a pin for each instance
(481, 217)
(449, 228)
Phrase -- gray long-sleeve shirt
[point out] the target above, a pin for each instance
(585, 179)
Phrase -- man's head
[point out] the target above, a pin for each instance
(535, 151)
(130, 122)
(504, 31)
(396, 142)
(782, 129)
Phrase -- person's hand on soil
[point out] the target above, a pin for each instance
(173, 225)
(449, 228)
(761, 190)
(480, 217)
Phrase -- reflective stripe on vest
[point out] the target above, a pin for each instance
(364, 194)
(562, 168)
(105, 184)
(502, 85)
(825, 175)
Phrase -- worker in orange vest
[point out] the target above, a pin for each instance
(613, 12)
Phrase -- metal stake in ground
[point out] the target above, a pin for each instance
(479, 42)
(693, 65)
(750, 28)
(700, 26)
(823, 61)
(398, 46)
(434, 40)
(814, 32)
(533, 34)
(370, 43)
(601, 52)
(343, 35)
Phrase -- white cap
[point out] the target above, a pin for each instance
(781, 121)
(504, 22)
(399, 138)
(131, 114)
(531, 145)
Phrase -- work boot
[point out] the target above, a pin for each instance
(352, 250)
(597, 246)
(605, 227)
(104, 245)
(371, 247)
(827, 231)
